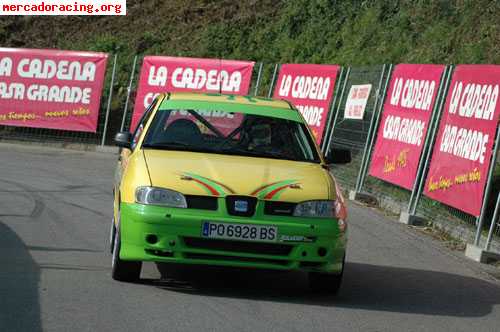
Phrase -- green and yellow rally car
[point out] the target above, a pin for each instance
(229, 181)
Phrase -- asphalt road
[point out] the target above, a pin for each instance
(55, 210)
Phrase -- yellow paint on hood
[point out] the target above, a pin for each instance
(240, 174)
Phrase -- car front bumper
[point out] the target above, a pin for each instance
(172, 235)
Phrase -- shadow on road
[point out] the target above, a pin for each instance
(368, 287)
(19, 276)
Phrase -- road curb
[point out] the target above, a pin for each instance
(107, 149)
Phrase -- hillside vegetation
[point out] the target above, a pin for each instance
(310, 31)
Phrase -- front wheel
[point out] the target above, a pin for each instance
(112, 233)
(128, 271)
(326, 283)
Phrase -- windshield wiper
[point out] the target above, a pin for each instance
(177, 146)
(260, 154)
(181, 146)
(174, 144)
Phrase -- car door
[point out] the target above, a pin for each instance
(125, 153)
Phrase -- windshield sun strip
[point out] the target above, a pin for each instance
(272, 112)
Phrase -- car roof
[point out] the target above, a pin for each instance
(228, 98)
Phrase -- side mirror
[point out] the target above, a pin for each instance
(123, 139)
(338, 156)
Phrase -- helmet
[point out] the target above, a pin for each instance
(260, 135)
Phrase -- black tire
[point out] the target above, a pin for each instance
(128, 271)
(324, 283)
(112, 233)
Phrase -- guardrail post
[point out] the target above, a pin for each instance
(129, 89)
(488, 187)
(370, 128)
(374, 131)
(427, 145)
(109, 101)
(434, 129)
(259, 74)
(493, 223)
(270, 93)
(339, 105)
(324, 145)
(473, 251)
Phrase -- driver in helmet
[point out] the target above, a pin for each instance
(260, 136)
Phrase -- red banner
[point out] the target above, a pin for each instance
(462, 152)
(405, 120)
(168, 74)
(51, 88)
(310, 89)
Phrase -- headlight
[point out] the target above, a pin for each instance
(315, 209)
(340, 210)
(160, 196)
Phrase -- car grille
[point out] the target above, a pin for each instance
(201, 202)
(311, 264)
(250, 204)
(279, 208)
(274, 249)
(237, 259)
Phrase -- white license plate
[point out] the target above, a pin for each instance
(245, 232)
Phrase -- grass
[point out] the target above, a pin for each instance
(443, 236)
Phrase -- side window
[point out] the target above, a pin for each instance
(144, 119)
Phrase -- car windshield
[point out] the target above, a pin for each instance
(230, 133)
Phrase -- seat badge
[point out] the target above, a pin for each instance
(241, 206)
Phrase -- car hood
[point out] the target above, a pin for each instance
(193, 173)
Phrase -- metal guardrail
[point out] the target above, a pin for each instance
(360, 137)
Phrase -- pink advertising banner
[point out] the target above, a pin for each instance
(404, 123)
(51, 88)
(464, 144)
(310, 88)
(171, 74)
